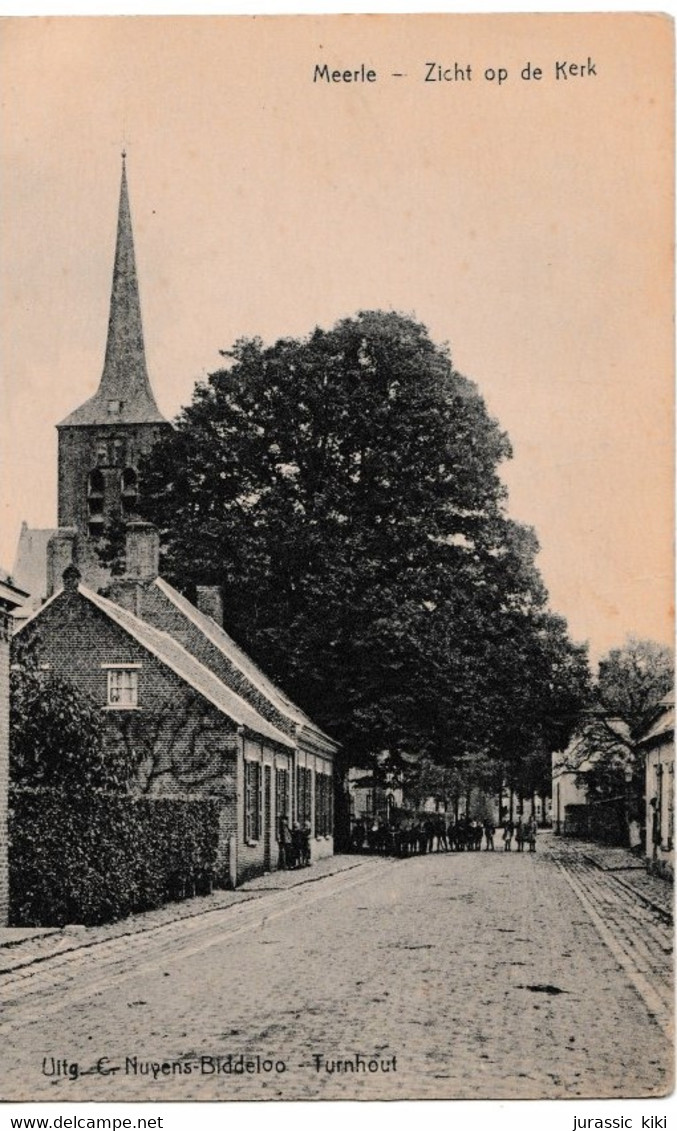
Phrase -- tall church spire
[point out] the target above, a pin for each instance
(124, 395)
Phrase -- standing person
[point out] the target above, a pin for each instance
(284, 841)
(489, 831)
(519, 835)
(656, 832)
(357, 838)
(441, 826)
(507, 836)
(305, 845)
(296, 845)
(532, 828)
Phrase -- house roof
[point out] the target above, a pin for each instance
(663, 727)
(618, 727)
(31, 560)
(10, 594)
(190, 670)
(596, 735)
(227, 646)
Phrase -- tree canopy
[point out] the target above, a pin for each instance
(56, 731)
(633, 679)
(344, 491)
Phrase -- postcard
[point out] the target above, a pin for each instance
(337, 433)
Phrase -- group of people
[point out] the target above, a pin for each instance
(294, 845)
(431, 833)
(522, 833)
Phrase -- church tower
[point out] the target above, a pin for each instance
(103, 441)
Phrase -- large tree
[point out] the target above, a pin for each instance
(633, 679)
(344, 491)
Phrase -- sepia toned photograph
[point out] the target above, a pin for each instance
(336, 586)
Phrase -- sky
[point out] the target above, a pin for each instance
(527, 223)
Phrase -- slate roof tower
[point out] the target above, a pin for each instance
(101, 443)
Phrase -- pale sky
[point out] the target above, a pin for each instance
(529, 225)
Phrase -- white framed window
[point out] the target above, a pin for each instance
(123, 687)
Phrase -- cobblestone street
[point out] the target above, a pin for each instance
(469, 975)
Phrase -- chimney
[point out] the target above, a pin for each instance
(125, 592)
(142, 551)
(71, 578)
(60, 555)
(210, 602)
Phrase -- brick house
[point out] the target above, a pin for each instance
(197, 716)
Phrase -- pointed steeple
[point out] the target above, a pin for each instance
(124, 395)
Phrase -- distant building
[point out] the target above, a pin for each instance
(389, 791)
(572, 811)
(30, 566)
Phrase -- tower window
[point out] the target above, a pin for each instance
(129, 481)
(129, 490)
(96, 525)
(114, 408)
(96, 485)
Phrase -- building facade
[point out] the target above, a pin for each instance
(186, 730)
(658, 747)
(574, 812)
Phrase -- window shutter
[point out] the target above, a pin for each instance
(259, 795)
